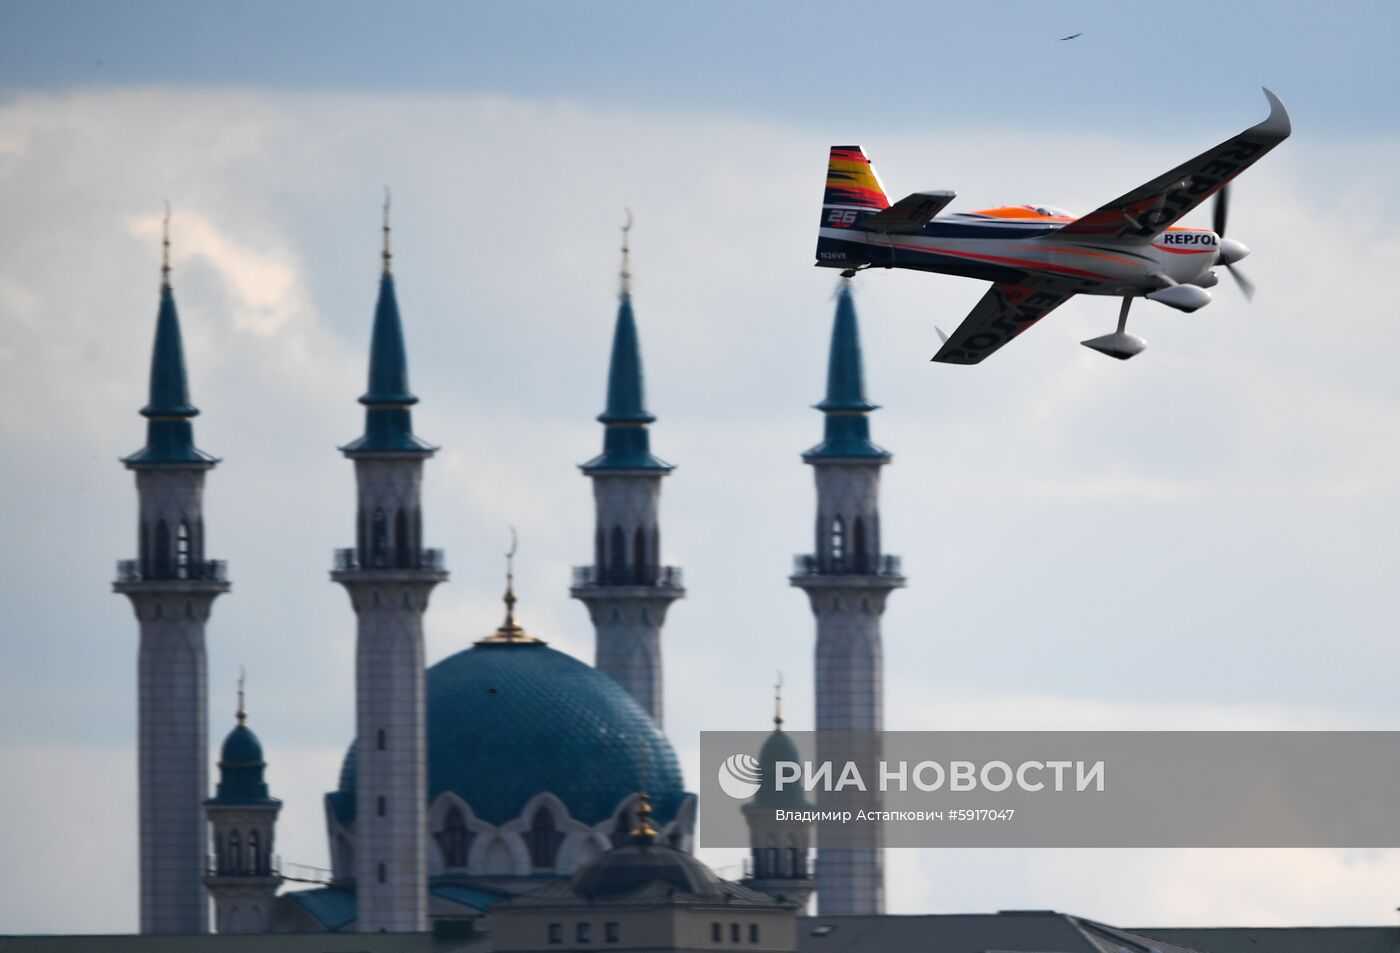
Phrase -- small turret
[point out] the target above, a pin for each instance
(778, 853)
(243, 878)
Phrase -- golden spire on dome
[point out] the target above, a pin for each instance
(510, 632)
(242, 713)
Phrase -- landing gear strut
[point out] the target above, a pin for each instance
(1119, 344)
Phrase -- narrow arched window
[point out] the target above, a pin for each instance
(402, 550)
(235, 853)
(544, 839)
(255, 858)
(162, 550)
(145, 553)
(862, 563)
(197, 542)
(382, 806)
(599, 557)
(417, 540)
(454, 839)
(619, 555)
(639, 557)
(362, 535)
(381, 740)
(379, 539)
(838, 543)
(182, 550)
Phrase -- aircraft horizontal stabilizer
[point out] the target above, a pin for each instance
(909, 215)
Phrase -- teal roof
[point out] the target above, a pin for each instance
(778, 747)
(241, 767)
(169, 433)
(333, 907)
(846, 407)
(388, 420)
(509, 721)
(626, 441)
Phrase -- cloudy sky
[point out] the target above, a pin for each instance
(1200, 538)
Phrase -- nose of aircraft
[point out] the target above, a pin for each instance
(1230, 250)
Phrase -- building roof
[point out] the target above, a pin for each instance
(510, 720)
(169, 433)
(847, 430)
(1011, 931)
(245, 943)
(1280, 939)
(626, 439)
(644, 873)
(388, 419)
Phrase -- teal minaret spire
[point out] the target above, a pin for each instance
(389, 576)
(626, 589)
(847, 578)
(172, 587)
(846, 408)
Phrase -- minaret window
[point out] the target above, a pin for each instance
(182, 551)
(862, 563)
(162, 548)
(619, 555)
(145, 553)
(454, 839)
(255, 860)
(381, 806)
(401, 547)
(639, 557)
(417, 541)
(838, 544)
(544, 839)
(379, 539)
(599, 558)
(361, 534)
(235, 853)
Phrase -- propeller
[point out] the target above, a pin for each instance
(1230, 250)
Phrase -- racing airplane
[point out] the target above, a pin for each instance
(1038, 257)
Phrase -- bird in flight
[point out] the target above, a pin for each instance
(1070, 37)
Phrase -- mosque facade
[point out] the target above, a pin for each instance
(508, 769)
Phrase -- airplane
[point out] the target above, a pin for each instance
(1037, 256)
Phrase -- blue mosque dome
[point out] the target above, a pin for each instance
(508, 719)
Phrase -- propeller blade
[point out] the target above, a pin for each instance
(1222, 209)
(1246, 286)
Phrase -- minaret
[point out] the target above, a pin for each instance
(243, 823)
(778, 853)
(847, 578)
(389, 576)
(626, 589)
(171, 587)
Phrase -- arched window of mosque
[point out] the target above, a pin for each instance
(361, 533)
(379, 539)
(417, 540)
(838, 542)
(255, 861)
(197, 540)
(182, 550)
(235, 853)
(220, 862)
(544, 839)
(858, 544)
(145, 553)
(454, 839)
(599, 558)
(619, 553)
(401, 548)
(162, 547)
(639, 555)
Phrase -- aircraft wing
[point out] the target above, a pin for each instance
(1004, 312)
(1150, 209)
(909, 215)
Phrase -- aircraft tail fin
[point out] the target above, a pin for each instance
(853, 193)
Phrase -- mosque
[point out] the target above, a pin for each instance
(512, 797)
(507, 766)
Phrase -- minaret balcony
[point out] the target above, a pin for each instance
(215, 571)
(431, 562)
(879, 567)
(638, 577)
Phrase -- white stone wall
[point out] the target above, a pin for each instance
(242, 897)
(629, 501)
(628, 643)
(388, 485)
(390, 844)
(173, 769)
